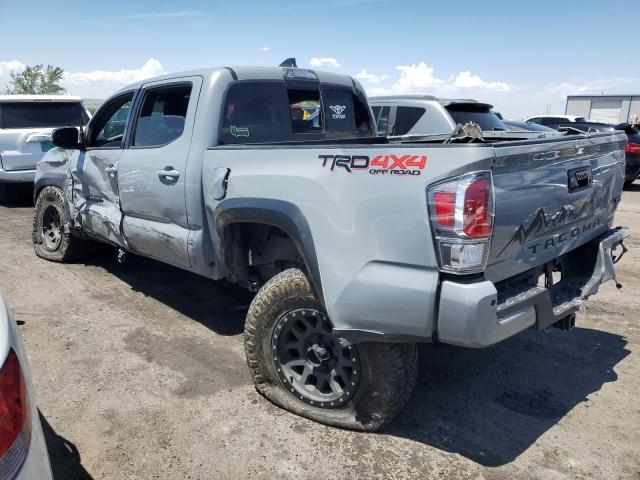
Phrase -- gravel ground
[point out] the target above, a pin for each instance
(139, 372)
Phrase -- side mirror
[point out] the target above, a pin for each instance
(66, 137)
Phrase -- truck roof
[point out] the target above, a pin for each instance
(39, 98)
(249, 73)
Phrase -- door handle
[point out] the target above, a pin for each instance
(169, 172)
(111, 170)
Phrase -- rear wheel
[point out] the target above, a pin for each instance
(52, 239)
(300, 365)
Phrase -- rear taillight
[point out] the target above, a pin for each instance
(632, 148)
(15, 425)
(461, 214)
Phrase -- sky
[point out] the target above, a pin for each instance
(523, 57)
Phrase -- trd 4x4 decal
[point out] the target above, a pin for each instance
(379, 165)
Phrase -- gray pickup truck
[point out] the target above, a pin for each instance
(358, 248)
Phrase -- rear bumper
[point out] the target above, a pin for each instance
(17, 176)
(479, 314)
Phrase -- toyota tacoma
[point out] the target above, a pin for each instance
(358, 248)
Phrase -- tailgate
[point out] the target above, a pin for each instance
(552, 196)
(22, 149)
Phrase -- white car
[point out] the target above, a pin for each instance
(26, 123)
(556, 118)
(23, 451)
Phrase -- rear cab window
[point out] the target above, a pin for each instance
(42, 114)
(257, 112)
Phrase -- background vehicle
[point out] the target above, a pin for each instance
(26, 122)
(553, 119)
(417, 115)
(427, 115)
(584, 126)
(632, 149)
(632, 152)
(358, 248)
(23, 451)
(526, 127)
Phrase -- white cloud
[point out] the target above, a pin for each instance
(263, 49)
(101, 83)
(324, 61)
(415, 79)
(5, 70)
(184, 13)
(606, 86)
(467, 80)
(420, 79)
(371, 77)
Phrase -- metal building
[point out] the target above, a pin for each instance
(604, 108)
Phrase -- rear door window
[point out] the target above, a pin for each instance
(162, 116)
(406, 118)
(42, 114)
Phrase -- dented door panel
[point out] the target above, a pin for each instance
(94, 205)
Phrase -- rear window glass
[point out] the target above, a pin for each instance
(304, 106)
(264, 112)
(406, 118)
(41, 114)
(255, 113)
(484, 117)
(347, 115)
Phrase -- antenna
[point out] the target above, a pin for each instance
(289, 62)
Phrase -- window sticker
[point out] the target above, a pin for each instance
(239, 131)
(337, 111)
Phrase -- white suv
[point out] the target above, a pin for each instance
(542, 119)
(26, 123)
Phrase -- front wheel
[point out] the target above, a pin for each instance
(300, 365)
(52, 239)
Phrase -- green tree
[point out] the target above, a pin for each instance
(36, 80)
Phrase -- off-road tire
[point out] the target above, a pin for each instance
(70, 247)
(388, 369)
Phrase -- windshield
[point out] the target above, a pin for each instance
(464, 113)
(41, 114)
